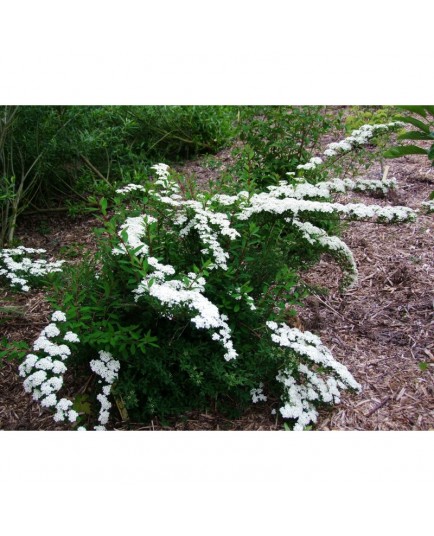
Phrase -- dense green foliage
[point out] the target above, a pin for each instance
(49, 154)
(278, 138)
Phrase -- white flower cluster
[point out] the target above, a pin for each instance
(44, 375)
(187, 293)
(264, 202)
(295, 199)
(306, 385)
(209, 224)
(130, 188)
(202, 222)
(228, 200)
(18, 271)
(428, 205)
(162, 171)
(324, 190)
(312, 164)
(258, 394)
(107, 368)
(358, 137)
(135, 229)
(333, 245)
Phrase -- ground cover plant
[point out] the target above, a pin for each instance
(187, 303)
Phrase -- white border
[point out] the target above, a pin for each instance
(228, 52)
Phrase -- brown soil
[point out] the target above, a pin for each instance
(382, 330)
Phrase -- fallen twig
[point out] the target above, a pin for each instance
(378, 406)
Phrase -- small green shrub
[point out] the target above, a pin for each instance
(278, 138)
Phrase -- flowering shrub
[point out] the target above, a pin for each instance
(191, 292)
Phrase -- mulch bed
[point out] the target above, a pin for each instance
(382, 330)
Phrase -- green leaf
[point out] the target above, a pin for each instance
(414, 135)
(420, 110)
(82, 404)
(423, 366)
(415, 122)
(103, 204)
(431, 152)
(402, 150)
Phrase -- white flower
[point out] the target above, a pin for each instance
(27, 364)
(131, 188)
(105, 404)
(17, 271)
(104, 417)
(71, 337)
(72, 415)
(36, 394)
(64, 404)
(45, 364)
(58, 367)
(49, 401)
(36, 378)
(58, 316)
(257, 394)
(51, 331)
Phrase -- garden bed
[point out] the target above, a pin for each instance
(382, 330)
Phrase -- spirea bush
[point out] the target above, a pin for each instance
(187, 301)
